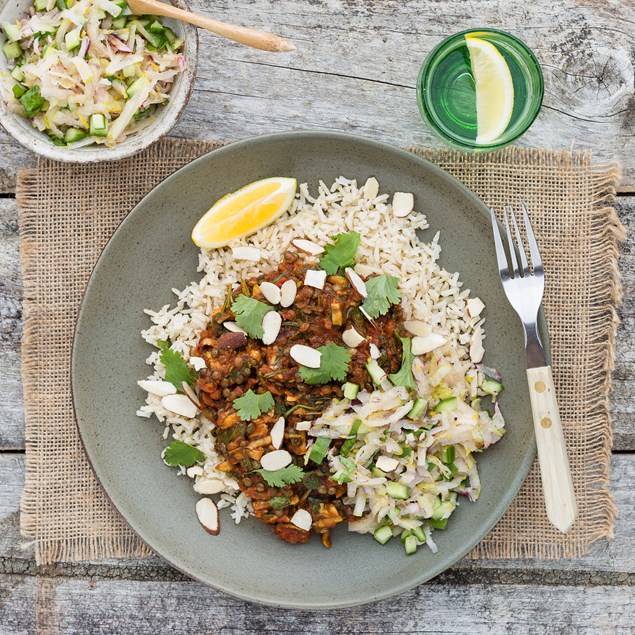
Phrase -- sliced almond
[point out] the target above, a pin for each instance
(402, 204)
(209, 486)
(157, 387)
(417, 327)
(271, 327)
(476, 347)
(371, 188)
(287, 293)
(189, 391)
(352, 338)
(179, 405)
(365, 314)
(426, 343)
(276, 460)
(308, 247)
(302, 519)
(303, 426)
(387, 464)
(375, 353)
(314, 278)
(270, 291)
(475, 306)
(195, 470)
(234, 328)
(197, 363)
(246, 253)
(277, 433)
(306, 356)
(207, 513)
(356, 282)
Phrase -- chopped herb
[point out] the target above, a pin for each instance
(163, 344)
(319, 449)
(249, 314)
(311, 481)
(333, 366)
(176, 369)
(382, 292)
(404, 376)
(182, 454)
(251, 405)
(286, 476)
(340, 253)
(32, 101)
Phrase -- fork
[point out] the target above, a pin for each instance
(524, 287)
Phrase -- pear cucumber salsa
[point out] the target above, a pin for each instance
(334, 384)
(87, 71)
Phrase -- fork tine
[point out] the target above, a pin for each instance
(510, 242)
(521, 246)
(500, 250)
(536, 260)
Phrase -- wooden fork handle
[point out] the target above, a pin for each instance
(250, 37)
(552, 452)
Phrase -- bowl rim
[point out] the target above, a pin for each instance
(30, 138)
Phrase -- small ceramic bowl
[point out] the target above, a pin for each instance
(166, 116)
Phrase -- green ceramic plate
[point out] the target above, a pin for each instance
(151, 253)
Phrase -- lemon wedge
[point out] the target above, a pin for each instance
(494, 90)
(244, 212)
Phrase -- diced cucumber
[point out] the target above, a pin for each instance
(375, 371)
(62, 4)
(73, 39)
(410, 545)
(50, 51)
(406, 451)
(375, 471)
(447, 454)
(491, 386)
(347, 446)
(74, 134)
(17, 74)
(405, 534)
(18, 90)
(446, 405)
(12, 50)
(383, 534)
(170, 35)
(72, 106)
(98, 125)
(130, 70)
(156, 27)
(32, 101)
(40, 5)
(419, 534)
(438, 524)
(418, 408)
(442, 509)
(350, 390)
(398, 491)
(12, 30)
(119, 23)
(319, 449)
(135, 86)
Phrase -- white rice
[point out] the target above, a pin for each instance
(389, 245)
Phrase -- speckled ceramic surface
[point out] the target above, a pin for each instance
(152, 253)
(23, 132)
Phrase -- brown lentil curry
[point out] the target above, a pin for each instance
(236, 363)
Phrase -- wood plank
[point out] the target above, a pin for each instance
(356, 66)
(62, 605)
(608, 563)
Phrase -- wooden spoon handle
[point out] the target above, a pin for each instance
(552, 452)
(250, 37)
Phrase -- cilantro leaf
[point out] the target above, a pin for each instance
(286, 476)
(176, 369)
(333, 366)
(179, 453)
(404, 376)
(251, 405)
(340, 253)
(382, 292)
(250, 314)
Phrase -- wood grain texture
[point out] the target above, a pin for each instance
(357, 61)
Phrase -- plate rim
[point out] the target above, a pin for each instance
(498, 510)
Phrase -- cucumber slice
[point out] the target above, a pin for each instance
(376, 372)
(491, 386)
(375, 471)
(419, 534)
(130, 70)
(383, 534)
(18, 90)
(319, 449)
(98, 125)
(156, 27)
(398, 491)
(135, 86)
(350, 390)
(74, 134)
(442, 509)
(405, 534)
(40, 5)
(12, 31)
(446, 405)
(119, 23)
(17, 74)
(410, 545)
(12, 50)
(418, 408)
(73, 39)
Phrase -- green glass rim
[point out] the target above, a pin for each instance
(528, 118)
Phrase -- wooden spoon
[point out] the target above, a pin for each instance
(250, 37)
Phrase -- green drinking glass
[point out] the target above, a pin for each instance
(446, 90)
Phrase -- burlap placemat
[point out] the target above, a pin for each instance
(67, 213)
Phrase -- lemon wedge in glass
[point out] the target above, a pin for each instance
(494, 90)
(244, 212)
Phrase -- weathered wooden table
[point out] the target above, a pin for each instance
(355, 70)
